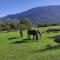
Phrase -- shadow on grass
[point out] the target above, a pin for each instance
(52, 37)
(22, 41)
(12, 38)
(48, 47)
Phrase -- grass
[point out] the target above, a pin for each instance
(12, 47)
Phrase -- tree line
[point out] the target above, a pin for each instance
(11, 25)
(25, 23)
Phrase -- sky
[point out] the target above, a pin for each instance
(8, 7)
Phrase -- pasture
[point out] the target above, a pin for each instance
(12, 47)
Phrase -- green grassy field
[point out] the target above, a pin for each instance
(12, 47)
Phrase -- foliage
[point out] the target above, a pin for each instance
(8, 25)
(25, 23)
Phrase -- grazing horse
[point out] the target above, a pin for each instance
(34, 33)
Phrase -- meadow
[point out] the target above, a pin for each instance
(12, 47)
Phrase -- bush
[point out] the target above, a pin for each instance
(53, 30)
(57, 39)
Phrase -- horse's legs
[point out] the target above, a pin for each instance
(33, 37)
(29, 36)
(36, 37)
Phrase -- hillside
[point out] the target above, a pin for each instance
(43, 14)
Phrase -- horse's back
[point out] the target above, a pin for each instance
(31, 32)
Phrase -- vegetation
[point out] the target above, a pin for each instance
(25, 24)
(15, 24)
(12, 47)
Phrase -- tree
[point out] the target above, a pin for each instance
(26, 23)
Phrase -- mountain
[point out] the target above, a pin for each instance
(42, 14)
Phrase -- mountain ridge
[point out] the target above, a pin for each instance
(43, 14)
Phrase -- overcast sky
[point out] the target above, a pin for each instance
(16, 6)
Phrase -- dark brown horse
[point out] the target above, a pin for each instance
(34, 33)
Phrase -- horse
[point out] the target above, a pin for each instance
(34, 33)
